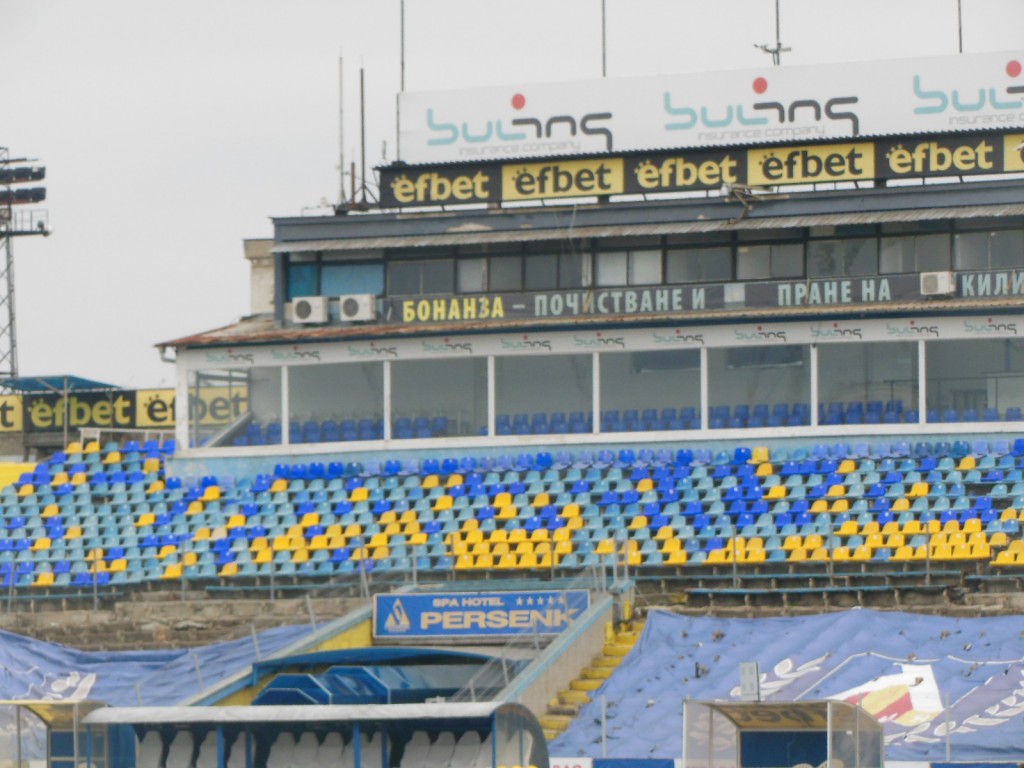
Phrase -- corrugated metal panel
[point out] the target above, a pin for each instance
(483, 236)
(263, 331)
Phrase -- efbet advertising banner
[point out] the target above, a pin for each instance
(913, 157)
(477, 614)
(965, 92)
(119, 409)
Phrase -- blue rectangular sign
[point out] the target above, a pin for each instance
(477, 614)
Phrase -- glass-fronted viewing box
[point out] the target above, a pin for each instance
(871, 375)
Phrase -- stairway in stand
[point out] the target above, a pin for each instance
(619, 641)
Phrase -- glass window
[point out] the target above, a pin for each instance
(339, 279)
(644, 267)
(234, 407)
(1002, 249)
(541, 272)
(302, 279)
(842, 258)
(769, 262)
(975, 379)
(914, 253)
(573, 270)
(471, 275)
(438, 398)
(505, 273)
(336, 402)
(770, 384)
(611, 268)
(699, 265)
(868, 383)
(412, 278)
(654, 390)
(537, 395)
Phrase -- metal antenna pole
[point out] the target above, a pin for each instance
(341, 131)
(778, 49)
(604, 41)
(959, 26)
(8, 334)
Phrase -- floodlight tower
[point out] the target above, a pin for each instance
(15, 223)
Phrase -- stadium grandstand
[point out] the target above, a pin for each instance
(613, 392)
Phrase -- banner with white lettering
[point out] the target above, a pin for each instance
(477, 614)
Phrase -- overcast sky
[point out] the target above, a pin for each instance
(173, 130)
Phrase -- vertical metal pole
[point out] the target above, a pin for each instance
(74, 733)
(17, 734)
(309, 610)
(138, 693)
(401, 32)
(828, 734)
(604, 726)
(682, 753)
(959, 29)
(949, 746)
(362, 131)
(199, 672)
(255, 641)
(604, 41)
(341, 131)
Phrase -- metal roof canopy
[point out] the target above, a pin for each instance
(61, 384)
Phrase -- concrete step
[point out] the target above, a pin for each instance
(606, 661)
(566, 710)
(574, 698)
(596, 673)
(554, 722)
(617, 649)
(585, 685)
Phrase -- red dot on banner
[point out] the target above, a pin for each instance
(760, 85)
(518, 101)
(1013, 68)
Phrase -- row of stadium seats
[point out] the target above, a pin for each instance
(120, 521)
(628, 420)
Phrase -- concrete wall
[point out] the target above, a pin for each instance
(261, 275)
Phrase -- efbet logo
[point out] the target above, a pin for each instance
(935, 157)
(678, 172)
(775, 111)
(937, 101)
(522, 128)
(440, 187)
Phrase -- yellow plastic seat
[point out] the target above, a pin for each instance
(819, 506)
(359, 494)
(759, 454)
(41, 544)
(605, 547)
(228, 570)
(841, 505)
(541, 500)
(764, 470)
(645, 484)
(676, 557)
(848, 528)
(836, 491)
(44, 579)
(972, 526)
(114, 457)
(638, 522)
(776, 492)
(92, 446)
(507, 512)
(264, 556)
(570, 511)
(430, 481)
(793, 542)
(155, 487)
(26, 490)
(797, 555)
(663, 533)
(819, 554)
(280, 485)
(454, 479)
(172, 571)
(967, 462)
(846, 466)
(50, 510)
(861, 553)
(901, 504)
(211, 493)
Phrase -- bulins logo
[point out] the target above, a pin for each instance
(540, 128)
(678, 338)
(990, 327)
(448, 346)
(760, 335)
(373, 351)
(295, 353)
(835, 332)
(938, 101)
(599, 341)
(229, 356)
(912, 329)
(779, 112)
(525, 343)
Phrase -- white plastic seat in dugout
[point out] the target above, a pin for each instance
(150, 750)
(207, 757)
(417, 750)
(236, 753)
(281, 751)
(442, 749)
(181, 750)
(305, 750)
(467, 750)
(329, 753)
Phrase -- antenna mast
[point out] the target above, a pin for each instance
(775, 50)
(341, 132)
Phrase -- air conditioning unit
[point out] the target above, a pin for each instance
(938, 284)
(357, 307)
(309, 309)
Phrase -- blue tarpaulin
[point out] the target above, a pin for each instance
(901, 667)
(32, 669)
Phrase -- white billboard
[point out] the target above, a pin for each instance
(743, 107)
